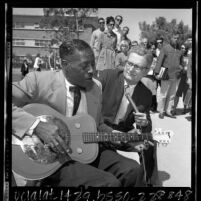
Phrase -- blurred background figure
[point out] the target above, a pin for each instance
(117, 30)
(37, 63)
(125, 32)
(145, 43)
(169, 58)
(183, 85)
(122, 57)
(159, 44)
(57, 63)
(106, 47)
(51, 59)
(150, 81)
(134, 45)
(24, 68)
(95, 37)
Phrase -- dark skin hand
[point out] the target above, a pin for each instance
(49, 134)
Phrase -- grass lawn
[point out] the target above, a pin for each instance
(16, 74)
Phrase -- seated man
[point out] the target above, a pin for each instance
(53, 88)
(117, 112)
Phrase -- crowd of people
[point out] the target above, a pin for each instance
(111, 47)
(103, 74)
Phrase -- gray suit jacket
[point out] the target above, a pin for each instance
(48, 88)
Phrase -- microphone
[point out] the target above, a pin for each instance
(132, 102)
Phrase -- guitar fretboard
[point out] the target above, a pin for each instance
(114, 137)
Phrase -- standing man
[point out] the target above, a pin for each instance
(117, 30)
(159, 43)
(125, 32)
(37, 63)
(24, 68)
(95, 37)
(170, 58)
(71, 91)
(51, 59)
(118, 113)
(145, 43)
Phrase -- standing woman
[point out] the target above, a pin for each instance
(122, 57)
(107, 45)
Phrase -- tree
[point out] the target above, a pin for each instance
(162, 28)
(65, 28)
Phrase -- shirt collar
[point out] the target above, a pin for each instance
(117, 29)
(68, 84)
(130, 86)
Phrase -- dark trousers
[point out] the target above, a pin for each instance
(154, 103)
(110, 169)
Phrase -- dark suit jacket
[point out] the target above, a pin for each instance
(24, 70)
(48, 87)
(113, 88)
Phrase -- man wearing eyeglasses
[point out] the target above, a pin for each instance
(118, 113)
(117, 30)
(96, 36)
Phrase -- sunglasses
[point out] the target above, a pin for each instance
(111, 24)
(101, 22)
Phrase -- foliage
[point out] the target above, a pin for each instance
(162, 28)
(65, 28)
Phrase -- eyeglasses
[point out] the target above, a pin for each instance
(136, 67)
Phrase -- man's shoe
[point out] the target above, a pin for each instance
(161, 115)
(173, 112)
(170, 115)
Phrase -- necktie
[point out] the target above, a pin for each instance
(77, 97)
(123, 106)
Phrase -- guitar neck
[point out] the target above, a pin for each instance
(114, 137)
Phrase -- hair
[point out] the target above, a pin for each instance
(68, 48)
(134, 42)
(186, 48)
(160, 38)
(110, 19)
(120, 17)
(127, 28)
(143, 52)
(99, 19)
(123, 42)
(153, 43)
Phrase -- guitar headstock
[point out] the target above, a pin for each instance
(162, 136)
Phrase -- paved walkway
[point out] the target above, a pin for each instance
(174, 161)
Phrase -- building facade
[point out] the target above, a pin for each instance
(29, 39)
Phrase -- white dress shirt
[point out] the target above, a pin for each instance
(118, 32)
(70, 101)
(124, 102)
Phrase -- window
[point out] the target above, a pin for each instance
(19, 25)
(18, 42)
(36, 26)
(42, 43)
